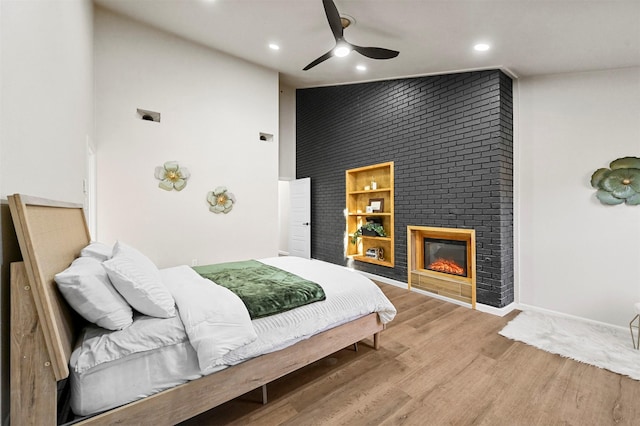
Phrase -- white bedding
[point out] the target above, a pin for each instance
(349, 295)
(106, 360)
(215, 319)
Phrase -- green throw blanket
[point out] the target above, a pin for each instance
(265, 290)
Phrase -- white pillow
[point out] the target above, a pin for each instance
(99, 251)
(86, 287)
(138, 280)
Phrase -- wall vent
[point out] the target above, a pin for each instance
(268, 137)
(149, 115)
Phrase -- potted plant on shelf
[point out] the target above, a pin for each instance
(374, 229)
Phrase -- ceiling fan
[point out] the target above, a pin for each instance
(343, 47)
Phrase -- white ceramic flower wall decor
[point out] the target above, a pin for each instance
(220, 200)
(172, 176)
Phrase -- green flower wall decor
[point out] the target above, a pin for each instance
(172, 176)
(220, 200)
(620, 183)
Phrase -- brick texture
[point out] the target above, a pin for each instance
(451, 139)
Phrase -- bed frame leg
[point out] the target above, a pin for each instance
(376, 341)
(264, 394)
(33, 384)
(355, 346)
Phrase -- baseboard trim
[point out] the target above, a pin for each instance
(500, 312)
(525, 307)
(486, 308)
(479, 306)
(382, 279)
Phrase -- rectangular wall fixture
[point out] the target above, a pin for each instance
(268, 137)
(149, 115)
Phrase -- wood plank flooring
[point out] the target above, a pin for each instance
(439, 364)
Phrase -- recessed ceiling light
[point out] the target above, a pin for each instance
(481, 47)
(361, 68)
(274, 46)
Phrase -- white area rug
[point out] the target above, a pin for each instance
(605, 347)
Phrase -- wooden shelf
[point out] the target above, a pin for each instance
(376, 238)
(369, 214)
(358, 198)
(367, 237)
(372, 260)
(369, 191)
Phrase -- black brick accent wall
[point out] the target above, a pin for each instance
(451, 139)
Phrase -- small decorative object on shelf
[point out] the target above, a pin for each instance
(619, 184)
(172, 176)
(375, 253)
(377, 204)
(220, 200)
(374, 184)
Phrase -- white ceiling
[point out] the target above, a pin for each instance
(527, 37)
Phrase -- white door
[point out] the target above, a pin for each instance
(300, 218)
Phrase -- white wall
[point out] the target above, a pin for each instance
(46, 115)
(47, 97)
(577, 256)
(213, 108)
(287, 160)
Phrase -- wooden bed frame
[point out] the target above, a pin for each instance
(44, 330)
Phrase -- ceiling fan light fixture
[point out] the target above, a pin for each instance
(346, 20)
(341, 50)
(337, 24)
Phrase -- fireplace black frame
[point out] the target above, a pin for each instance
(446, 249)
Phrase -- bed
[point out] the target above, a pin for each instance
(45, 331)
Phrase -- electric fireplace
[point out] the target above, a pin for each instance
(442, 261)
(446, 256)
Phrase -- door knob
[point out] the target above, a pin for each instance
(306, 223)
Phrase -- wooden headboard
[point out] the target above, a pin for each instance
(51, 235)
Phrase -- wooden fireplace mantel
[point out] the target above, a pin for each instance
(456, 287)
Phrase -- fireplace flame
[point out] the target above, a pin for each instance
(447, 266)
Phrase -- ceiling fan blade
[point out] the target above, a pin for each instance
(335, 22)
(375, 52)
(319, 60)
(333, 17)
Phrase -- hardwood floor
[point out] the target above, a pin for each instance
(439, 364)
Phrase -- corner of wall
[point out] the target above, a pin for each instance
(10, 252)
